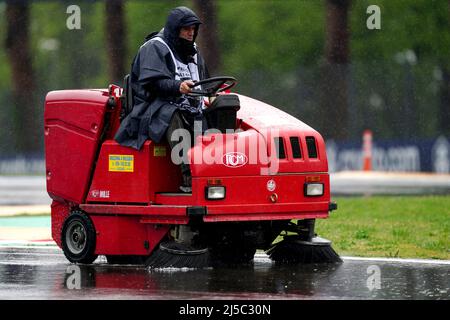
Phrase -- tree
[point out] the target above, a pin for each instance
(208, 38)
(335, 92)
(444, 110)
(17, 45)
(115, 40)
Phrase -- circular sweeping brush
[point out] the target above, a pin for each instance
(293, 250)
(173, 254)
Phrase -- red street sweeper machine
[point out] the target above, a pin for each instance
(259, 181)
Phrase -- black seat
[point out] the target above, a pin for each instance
(221, 114)
(127, 98)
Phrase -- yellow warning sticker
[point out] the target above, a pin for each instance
(121, 163)
(159, 151)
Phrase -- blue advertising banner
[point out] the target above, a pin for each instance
(431, 155)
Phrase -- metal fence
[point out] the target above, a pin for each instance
(394, 99)
(397, 100)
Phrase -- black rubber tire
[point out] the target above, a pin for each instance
(78, 238)
(232, 244)
(222, 255)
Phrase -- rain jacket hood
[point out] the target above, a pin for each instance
(181, 17)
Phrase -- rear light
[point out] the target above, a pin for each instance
(214, 182)
(312, 179)
(215, 192)
(313, 189)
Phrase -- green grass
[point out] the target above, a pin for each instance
(404, 227)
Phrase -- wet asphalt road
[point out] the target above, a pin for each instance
(44, 273)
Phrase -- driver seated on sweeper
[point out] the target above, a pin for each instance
(165, 68)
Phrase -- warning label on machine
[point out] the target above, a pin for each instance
(159, 151)
(121, 163)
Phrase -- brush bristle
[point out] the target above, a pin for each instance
(301, 252)
(178, 256)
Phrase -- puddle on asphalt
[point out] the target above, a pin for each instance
(263, 280)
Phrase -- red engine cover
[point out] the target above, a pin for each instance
(73, 125)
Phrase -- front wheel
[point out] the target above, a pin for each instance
(232, 254)
(78, 238)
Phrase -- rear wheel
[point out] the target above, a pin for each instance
(78, 238)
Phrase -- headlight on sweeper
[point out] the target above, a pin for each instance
(313, 189)
(215, 192)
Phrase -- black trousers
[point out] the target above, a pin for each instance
(185, 120)
(180, 120)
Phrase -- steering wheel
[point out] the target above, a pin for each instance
(212, 86)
